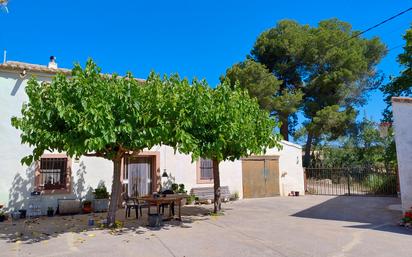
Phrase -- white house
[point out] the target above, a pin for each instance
(402, 117)
(57, 176)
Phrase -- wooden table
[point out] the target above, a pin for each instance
(168, 199)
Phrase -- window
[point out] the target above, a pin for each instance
(205, 171)
(53, 172)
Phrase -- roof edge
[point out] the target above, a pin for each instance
(288, 143)
(401, 99)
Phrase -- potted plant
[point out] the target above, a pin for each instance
(101, 198)
(50, 211)
(175, 187)
(2, 216)
(22, 213)
(190, 199)
(87, 206)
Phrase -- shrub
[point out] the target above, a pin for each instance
(191, 199)
(179, 188)
(175, 187)
(381, 184)
(101, 191)
(182, 189)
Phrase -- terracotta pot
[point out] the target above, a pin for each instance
(87, 209)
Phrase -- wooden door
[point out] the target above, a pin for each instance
(260, 177)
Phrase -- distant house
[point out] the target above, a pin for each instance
(58, 176)
(402, 117)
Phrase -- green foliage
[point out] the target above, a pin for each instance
(323, 70)
(226, 124)
(362, 146)
(333, 69)
(401, 85)
(331, 121)
(267, 89)
(101, 191)
(179, 189)
(87, 203)
(191, 199)
(235, 196)
(175, 187)
(90, 112)
(381, 184)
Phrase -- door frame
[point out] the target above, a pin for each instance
(263, 158)
(155, 167)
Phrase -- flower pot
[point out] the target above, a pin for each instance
(23, 214)
(50, 213)
(87, 209)
(15, 215)
(155, 220)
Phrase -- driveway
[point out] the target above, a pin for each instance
(280, 226)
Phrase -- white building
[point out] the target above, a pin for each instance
(58, 177)
(402, 117)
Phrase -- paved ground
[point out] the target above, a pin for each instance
(281, 226)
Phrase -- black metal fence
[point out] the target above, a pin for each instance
(351, 181)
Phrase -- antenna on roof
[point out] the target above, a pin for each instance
(3, 5)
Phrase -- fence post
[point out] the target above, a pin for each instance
(348, 177)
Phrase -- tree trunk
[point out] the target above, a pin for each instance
(308, 147)
(284, 128)
(115, 195)
(216, 185)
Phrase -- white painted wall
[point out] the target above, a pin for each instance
(290, 168)
(17, 180)
(402, 114)
(182, 170)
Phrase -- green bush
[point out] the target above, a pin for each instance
(190, 199)
(175, 187)
(101, 192)
(381, 184)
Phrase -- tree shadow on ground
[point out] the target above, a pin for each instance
(44, 228)
(372, 211)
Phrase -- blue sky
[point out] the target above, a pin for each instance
(194, 38)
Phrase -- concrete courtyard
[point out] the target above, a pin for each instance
(280, 226)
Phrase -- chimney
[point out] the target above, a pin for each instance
(52, 64)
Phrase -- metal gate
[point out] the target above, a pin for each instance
(260, 176)
(351, 181)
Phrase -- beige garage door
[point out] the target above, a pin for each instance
(260, 176)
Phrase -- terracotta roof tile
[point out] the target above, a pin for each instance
(19, 66)
(29, 67)
(402, 99)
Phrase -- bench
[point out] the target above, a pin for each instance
(208, 193)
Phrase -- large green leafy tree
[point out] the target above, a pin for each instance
(332, 66)
(267, 89)
(362, 145)
(401, 85)
(340, 68)
(92, 114)
(226, 124)
(282, 50)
